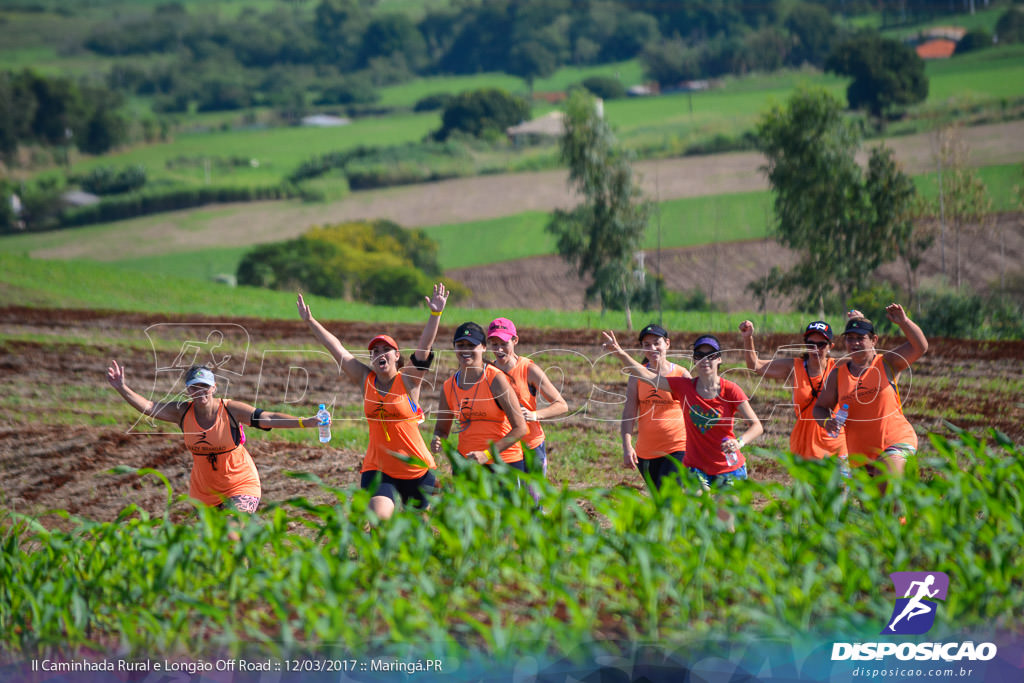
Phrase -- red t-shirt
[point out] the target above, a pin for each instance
(707, 423)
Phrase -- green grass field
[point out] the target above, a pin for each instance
(83, 284)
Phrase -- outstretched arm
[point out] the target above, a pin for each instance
(916, 345)
(268, 419)
(354, 369)
(778, 368)
(656, 380)
(168, 412)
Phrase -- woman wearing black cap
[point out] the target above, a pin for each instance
(397, 462)
(866, 382)
(223, 473)
(808, 371)
(484, 404)
(709, 403)
(655, 415)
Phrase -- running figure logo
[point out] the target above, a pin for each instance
(913, 613)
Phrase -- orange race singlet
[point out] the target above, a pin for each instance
(661, 428)
(394, 421)
(876, 420)
(808, 439)
(220, 467)
(479, 420)
(520, 376)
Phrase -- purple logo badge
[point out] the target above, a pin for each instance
(914, 614)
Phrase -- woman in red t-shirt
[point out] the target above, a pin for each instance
(710, 403)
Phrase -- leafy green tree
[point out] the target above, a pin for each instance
(605, 87)
(842, 224)
(599, 237)
(977, 39)
(1010, 27)
(886, 73)
(17, 112)
(481, 113)
(393, 34)
(813, 34)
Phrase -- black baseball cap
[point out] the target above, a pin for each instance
(819, 326)
(470, 331)
(656, 330)
(707, 340)
(859, 327)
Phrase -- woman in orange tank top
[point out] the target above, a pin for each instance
(529, 381)
(865, 381)
(808, 372)
(397, 462)
(223, 472)
(481, 400)
(654, 414)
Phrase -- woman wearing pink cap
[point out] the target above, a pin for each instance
(528, 380)
(223, 473)
(397, 461)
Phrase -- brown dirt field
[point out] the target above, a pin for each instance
(547, 282)
(482, 197)
(64, 428)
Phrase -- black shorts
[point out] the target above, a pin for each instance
(517, 465)
(412, 491)
(656, 469)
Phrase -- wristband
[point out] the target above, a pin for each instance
(436, 314)
(739, 442)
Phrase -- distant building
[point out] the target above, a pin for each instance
(551, 125)
(76, 198)
(325, 121)
(550, 97)
(940, 48)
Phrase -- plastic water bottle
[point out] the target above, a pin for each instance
(730, 456)
(324, 418)
(840, 418)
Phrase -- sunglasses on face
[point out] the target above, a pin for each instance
(710, 355)
(816, 344)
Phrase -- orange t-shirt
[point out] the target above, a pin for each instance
(232, 471)
(808, 439)
(480, 421)
(661, 427)
(876, 421)
(394, 421)
(520, 379)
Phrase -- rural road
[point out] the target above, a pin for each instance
(476, 198)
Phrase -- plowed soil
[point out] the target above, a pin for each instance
(65, 428)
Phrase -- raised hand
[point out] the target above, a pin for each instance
(115, 375)
(303, 309)
(853, 313)
(609, 343)
(439, 299)
(896, 314)
(747, 329)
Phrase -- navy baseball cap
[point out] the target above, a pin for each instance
(470, 331)
(819, 326)
(859, 327)
(656, 330)
(707, 340)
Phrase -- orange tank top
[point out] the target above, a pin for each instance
(394, 421)
(661, 428)
(527, 395)
(808, 439)
(876, 421)
(479, 420)
(221, 467)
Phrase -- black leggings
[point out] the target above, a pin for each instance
(656, 469)
(412, 491)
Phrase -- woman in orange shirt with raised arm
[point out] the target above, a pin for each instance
(397, 462)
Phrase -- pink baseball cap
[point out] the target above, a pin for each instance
(502, 328)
